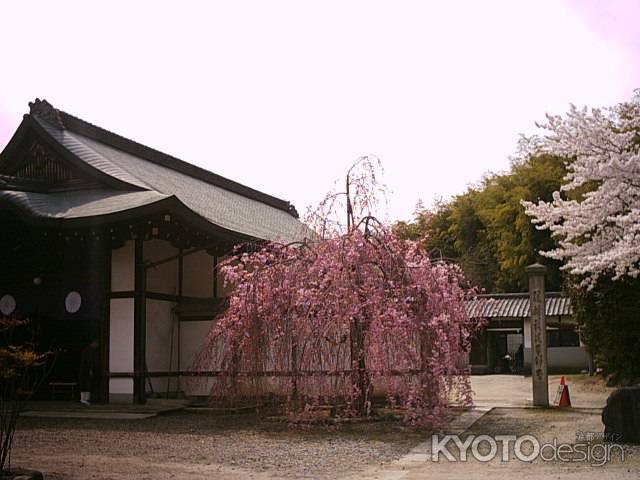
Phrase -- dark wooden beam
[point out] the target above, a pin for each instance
(180, 273)
(139, 325)
(106, 331)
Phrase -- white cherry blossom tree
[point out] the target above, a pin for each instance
(596, 214)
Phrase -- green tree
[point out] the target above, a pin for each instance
(515, 241)
(486, 231)
(607, 316)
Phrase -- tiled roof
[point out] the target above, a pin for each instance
(222, 207)
(136, 175)
(67, 140)
(516, 305)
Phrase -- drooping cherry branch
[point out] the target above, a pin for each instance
(343, 318)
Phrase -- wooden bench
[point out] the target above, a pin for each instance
(65, 387)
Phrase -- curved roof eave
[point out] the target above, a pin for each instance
(13, 202)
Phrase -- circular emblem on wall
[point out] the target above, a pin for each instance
(7, 305)
(72, 302)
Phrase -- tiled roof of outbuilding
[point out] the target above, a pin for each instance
(516, 305)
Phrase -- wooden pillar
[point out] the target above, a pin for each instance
(139, 325)
(536, 273)
(105, 330)
(177, 319)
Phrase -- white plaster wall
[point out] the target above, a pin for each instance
(160, 328)
(563, 359)
(568, 357)
(163, 278)
(121, 335)
(526, 332)
(121, 390)
(198, 275)
(163, 385)
(123, 268)
(558, 358)
(121, 385)
(192, 335)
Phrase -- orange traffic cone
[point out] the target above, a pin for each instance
(562, 397)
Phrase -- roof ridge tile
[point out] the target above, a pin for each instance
(47, 112)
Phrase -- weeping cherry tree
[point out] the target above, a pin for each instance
(350, 314)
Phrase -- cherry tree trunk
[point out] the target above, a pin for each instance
(360, 378)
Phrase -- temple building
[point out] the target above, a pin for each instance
(106, 239)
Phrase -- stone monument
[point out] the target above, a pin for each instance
(536, 273)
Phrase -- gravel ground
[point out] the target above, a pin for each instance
(567, 426)
(200, 445)
(195, 445)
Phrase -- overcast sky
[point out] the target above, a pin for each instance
(284, 95)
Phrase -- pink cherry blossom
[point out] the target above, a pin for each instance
(340, 319)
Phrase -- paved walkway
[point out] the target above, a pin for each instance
(415, 460)
(517, 391)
